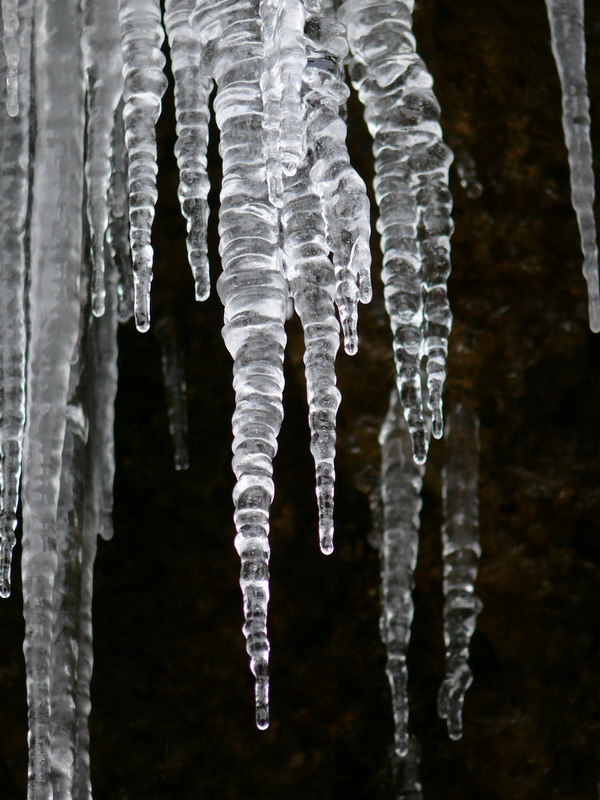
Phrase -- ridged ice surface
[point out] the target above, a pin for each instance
(192, 91)
(254, 291)
(145, 83)
(401, 481)
(173, 372)
(411, 189)
(284, 59)
(568, 46)
(343, 194)
(12, 51)
(104, 71)
(14, 258)
(311, 279)
(461, 553)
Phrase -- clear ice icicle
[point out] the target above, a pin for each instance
(171, 362)
(311, 277)
(568, 46)
(104, 70)
(145, 83)
(461, 553)
(11, 44)
(192, 92)
(254, 291)
(343, 193)
(401, 481)
(411, 189)
(54, 302)
(284, 61)
(14, 201)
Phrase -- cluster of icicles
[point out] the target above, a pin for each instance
(81, 87)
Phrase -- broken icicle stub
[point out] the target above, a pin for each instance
(566, 19)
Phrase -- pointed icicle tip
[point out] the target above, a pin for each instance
(419, 442)
(262, 702)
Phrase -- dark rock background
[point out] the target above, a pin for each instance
(172, 694)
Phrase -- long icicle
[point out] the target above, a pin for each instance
(104, 71)
(411, 189)
(568, 46)
(14, 256)
(401, 481)
(145, 83)
(56, 257)
(254, 292)
(192, 91)
(461, 553)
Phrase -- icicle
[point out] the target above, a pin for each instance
(104, 68)
(401, 493)
(171, 361)
(411, 189)
(342, 191)
(56, 250)
(145, 84)
(283, 65)
(568, 46)
(312, 283)
(254, 292)
(461, 553)
(192, 91)
(407, 783)
(14, 203)
(117, 235)
(12, 47)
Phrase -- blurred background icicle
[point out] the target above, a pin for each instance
(192, 91)
(566, 19)
(103, 63)
(401, 481)
(173, 372)
(411, 189)
(11, 41)
(15, 155)
(254, 291)
(145, 83)
(461, 554)
(407, 784)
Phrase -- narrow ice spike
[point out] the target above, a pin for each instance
(401, 481)
(103, 62)
(461, 554)
(12, 47)
(14, 200)
(312, 282)
(343, 194)
(411, 189)
(192, 91)
(171, 361)
(54, 302)
(254, 291)
(145, 83)
(282, 29)
(568, 46)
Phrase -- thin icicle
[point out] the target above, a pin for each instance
(12, 47)
(342, 192)
(56, 257)
(411, 189)
(145, 83)
(192, 92)
(173, 372)
(254, 292)
(568, 46)
(407, 783)
(461, 552)
(401, 493)
(312, 283)
(284, 62)
(14, 202)
(104, 69)
(117, 235)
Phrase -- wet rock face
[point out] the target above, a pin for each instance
(172, 695)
